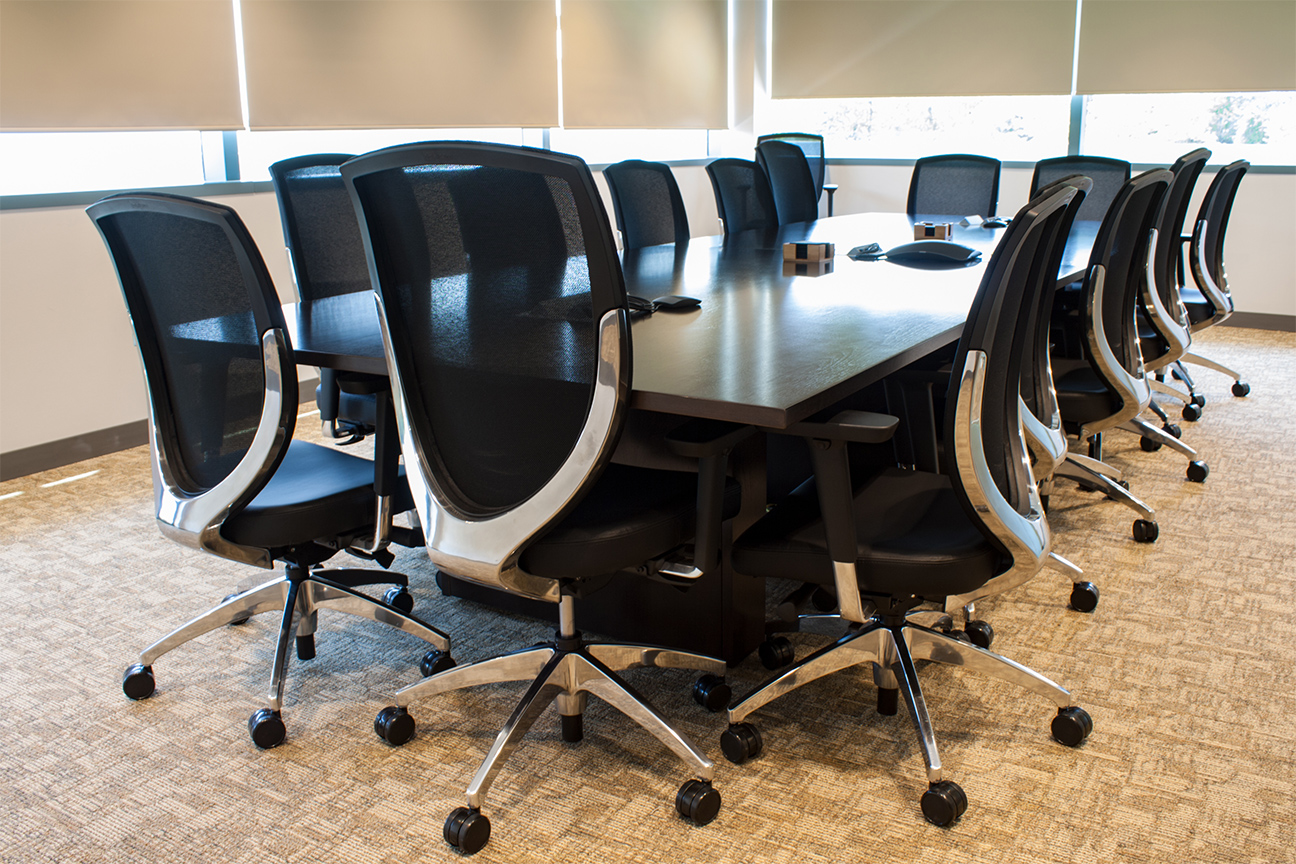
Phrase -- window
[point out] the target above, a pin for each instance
(42, 162)
(1159, 127)
(604, 146)
(1018, 128)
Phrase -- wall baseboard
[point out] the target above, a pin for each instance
(101, 442)
(1262, 321)
(56, 454)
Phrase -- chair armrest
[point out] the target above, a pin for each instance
(709, 441)
(861, 427)
(698, 438)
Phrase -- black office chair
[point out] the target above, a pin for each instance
(1211, 302)
(505, 321)
(743, 198)
(905, 537)
(647, 204)
(227, 477)
(327, 257)
(1164, 337)
(1105, 386)
(1107, 176)
(954, 185)
(790, 180)
(813, 148)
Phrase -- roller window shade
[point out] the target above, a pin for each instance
(348, 64)
(1187, 46)
(645, 64)
(82, 65)
(865, 48)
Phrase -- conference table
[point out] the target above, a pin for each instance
(770, 345)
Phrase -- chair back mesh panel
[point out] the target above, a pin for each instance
(1001, 324)
(319, 226)
(1108, 176)
(492, 298)
(1170, 224)
(954, 185)
(790, 181)
(1216, 208)
(199, 298)
(647, 203)
(1122, 248)
(813, 148)
(743, 197)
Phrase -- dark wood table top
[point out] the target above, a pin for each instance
(766, 347)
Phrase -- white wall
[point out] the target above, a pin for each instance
(68, 364)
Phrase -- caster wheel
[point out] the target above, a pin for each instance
(943, 803)
(1241, 388)
(1072, 726)
(266, 728)
(740, 742)
(466, 829)
(1172, 429)
(1192, 411)
(394, 725)
(242, 619)
(776, 652)
(961, 635)
(712, 693)
(1149, 446)
(1084, 595)
(1145, 531)
(697, 802)
(399, 598)
(436, 661)
(980, 633)
(1198, 471)
(137, 682)
(1199, 400)
(1124, 484)
(573, 727)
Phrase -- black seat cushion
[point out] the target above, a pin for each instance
(1199, 308)
(315, 493)
(913, 539)
(632, 515)
(1083, 397)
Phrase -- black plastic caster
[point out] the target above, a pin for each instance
(1084, 595)
(436, 661)
(697, 802)
(1192, 411)
(943, 803)
(137, 681)
(776, 652)
(242, 619)
(1199, 400)
(394, 725)
(399, 598)
(1148, 445)
(466, 829)
(1198, 471)
(266, 728)
(740, 742)
(712, 693)
(1145, 531)
(1172, 430)
(1072, 726)
(980, 633)
(306, 647)
(1241, 388)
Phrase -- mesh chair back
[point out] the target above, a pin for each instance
(742, 193)
(200, 299)
(647, 204)
(813, 148)
(319, 226)
(1108, 176)
(1122, 247)
(788, 172)
(954, 185)
(494, 266)
(1000, 323)
(1215, 210)
(1174, 209)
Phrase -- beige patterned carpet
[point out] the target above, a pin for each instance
(1188, 668)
